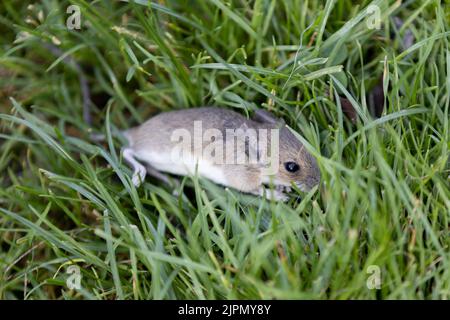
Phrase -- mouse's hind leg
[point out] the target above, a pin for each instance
(139, 171)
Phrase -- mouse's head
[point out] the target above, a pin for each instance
(296, 164)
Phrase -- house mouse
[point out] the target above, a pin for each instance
(223, 146)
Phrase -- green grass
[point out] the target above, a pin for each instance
(384, 198)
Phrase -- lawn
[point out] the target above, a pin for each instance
(73, 226)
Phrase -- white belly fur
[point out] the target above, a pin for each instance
(183, 166)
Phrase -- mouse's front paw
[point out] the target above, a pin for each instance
(279, 196)
(273, 194)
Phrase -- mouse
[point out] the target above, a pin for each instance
(220, 144)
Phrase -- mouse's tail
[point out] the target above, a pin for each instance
(97, 137)
(127, 134)
(122, 135)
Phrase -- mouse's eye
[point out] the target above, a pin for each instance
(292, 166)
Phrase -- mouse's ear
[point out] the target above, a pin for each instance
(264, 116)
